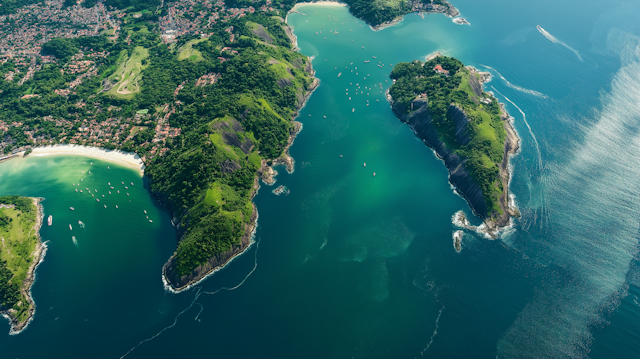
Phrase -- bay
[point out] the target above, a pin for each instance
(351, 265)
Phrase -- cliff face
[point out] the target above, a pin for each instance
(420, 120)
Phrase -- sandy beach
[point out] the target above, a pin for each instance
(126, 158)
(317, 3)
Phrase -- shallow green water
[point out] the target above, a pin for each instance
(348, 265)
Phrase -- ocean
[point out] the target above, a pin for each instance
(351, 265)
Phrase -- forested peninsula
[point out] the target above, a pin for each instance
(20, 253)
(443, 101)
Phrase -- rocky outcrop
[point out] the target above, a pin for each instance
(218, 261)
(420, 121)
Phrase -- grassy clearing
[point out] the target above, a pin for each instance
(128, 74)
(187, 52)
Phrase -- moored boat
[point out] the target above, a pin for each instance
(50, 220)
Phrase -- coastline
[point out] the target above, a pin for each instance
(460, 180)
(129, 159)
(266, 173)
(38, 256)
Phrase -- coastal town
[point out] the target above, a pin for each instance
(91, 122)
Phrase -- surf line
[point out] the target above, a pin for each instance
(198, 293)
(516, 87)
(555, 40)
(524, 118)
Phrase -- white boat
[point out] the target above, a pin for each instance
(132, 183)
(81, 224)
(122, 182)
(126, 187)
(150, 221)
(109, 183)
(50, 220)
(80, 190)
(71, 208)
(145, 211)
(116, 206)
(374, 174)
(76, 190)
(97, 200)
(105, 206)
(109, 192)
(73, 238)
(81, 179)
(118, 191)
(353, 109)
(127, 194)
(70, 228)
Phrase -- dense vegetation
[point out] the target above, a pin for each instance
(19, 242)
(376, 12)
(10, 6)
(485, 131)
(209, 172)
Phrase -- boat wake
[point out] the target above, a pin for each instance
(516, 87)
(435, 332)
(594, 230)
(194, 302)
(555, 40)
(524, 118)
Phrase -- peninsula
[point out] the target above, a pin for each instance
(20, 254)
(444, 103)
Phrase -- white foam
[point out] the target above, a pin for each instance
(524, 118)
(516, 87)
(555, 40)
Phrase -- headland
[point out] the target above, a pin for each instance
(467, 128)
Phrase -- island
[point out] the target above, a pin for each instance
(444, 103)
(20, 254)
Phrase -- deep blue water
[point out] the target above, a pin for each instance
(354, 266)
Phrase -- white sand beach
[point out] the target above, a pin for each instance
(317, 3)
(126, 158)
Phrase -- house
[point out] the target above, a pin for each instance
(440, 70)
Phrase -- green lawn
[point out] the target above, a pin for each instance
(128, 74)
(188, 52)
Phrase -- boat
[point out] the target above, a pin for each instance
(126, 187)
(367, 61)
(132, 183)
(80, 190)
(105, 206)
(339, 74)
(81, 224)
(108, 167)
(116, 206)
(353, 110)
(374, 174)
(76, 190)
(365, 164)
(118, 191)
(109, 183)
(109, 192)
(50, 220)
(73, 238)
(71, 208)
(70, 228)
(102, 195)
(127, 194)
(96, 190)
(97, 200)
(122, 182)
(81, 179)
(324, 116)
(145, 211)
(150, 221)
(92, 195)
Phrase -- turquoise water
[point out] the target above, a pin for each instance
(351, 265)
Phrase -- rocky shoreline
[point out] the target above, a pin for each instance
(420, 122)
(177, 284)
(38, 256)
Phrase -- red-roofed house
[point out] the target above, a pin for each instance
(440, 70)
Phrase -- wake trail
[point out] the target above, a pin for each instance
(555, 40)
(435, 332)
(198, 293)
(516, 87)
(524, 118)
